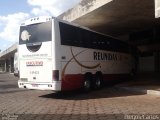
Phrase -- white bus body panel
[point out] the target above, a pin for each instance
(36, 67)
(123, 64)
(56, 85)
(38, 64)
(16, 69)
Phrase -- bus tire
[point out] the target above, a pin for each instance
(87, 82)
(98, 79)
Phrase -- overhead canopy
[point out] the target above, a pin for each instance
(113, 17)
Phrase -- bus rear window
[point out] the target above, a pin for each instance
(35, 33)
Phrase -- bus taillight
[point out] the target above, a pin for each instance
(55, 75)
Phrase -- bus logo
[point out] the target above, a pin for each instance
(25, 35)
(34, 63)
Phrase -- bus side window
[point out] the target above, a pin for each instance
(94, 39)
(84, 38)
(68, 34)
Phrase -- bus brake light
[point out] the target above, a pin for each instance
(55, 75)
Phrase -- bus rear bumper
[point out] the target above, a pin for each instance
(55, 86)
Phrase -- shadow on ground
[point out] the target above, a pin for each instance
(79, 95)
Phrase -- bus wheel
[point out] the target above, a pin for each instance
(87, 82)
(98, 79)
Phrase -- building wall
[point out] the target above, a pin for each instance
(146, 64)
(7, 59)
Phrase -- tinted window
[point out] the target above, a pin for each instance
(79, 37)
(35, 33)
(68, 34)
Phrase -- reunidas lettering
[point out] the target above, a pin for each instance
(105, 56)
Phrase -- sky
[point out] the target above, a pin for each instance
(14, 12)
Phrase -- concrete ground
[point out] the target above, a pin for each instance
(144, 83)
(111, 103)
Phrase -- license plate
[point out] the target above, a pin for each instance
(34, 85)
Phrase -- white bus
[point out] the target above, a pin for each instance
(16, 64)
(57, 55)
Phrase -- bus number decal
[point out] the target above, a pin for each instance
(34, 72)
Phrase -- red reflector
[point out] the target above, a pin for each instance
(34, 85)
(55, 75)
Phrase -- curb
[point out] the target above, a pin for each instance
(140, 90)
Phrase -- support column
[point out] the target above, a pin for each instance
(5, 65)
(3, 68)
(1, 65)
(12, 64)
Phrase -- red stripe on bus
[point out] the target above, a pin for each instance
(75, 81)
(72, 81)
